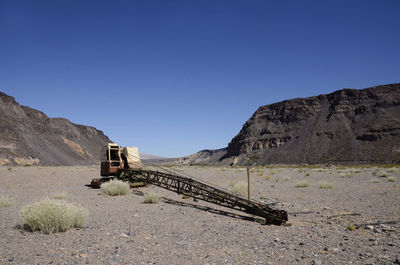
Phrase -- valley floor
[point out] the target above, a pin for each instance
(322, 204)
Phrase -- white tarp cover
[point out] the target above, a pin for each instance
(132, 154)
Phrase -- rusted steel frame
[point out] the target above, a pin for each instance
(218, 194)
(211, 196)
(208, 193)
(220, 191)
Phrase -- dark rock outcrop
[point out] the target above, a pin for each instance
(346, 126)
(28, 136)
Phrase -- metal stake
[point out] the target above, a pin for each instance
(248, 183)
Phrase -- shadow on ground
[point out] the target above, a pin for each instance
(206, 209)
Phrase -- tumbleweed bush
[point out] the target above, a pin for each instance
(51, 216)
(240, 187)
(325, 185)
(391, 179)
(151, 198)
(115, 187)
(4, 201)
(302, 184)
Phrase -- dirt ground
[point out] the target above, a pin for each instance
(124, 230)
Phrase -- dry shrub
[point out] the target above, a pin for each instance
(383, 175)
(60, 195)
(286, 178)
(325, 185)
(391, 179)
(151, 198)
(115, 187)
(5, 201)
(351, 227)
(240, 187)
(50, 216)
(302, 184)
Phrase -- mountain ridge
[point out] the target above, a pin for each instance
(28, 136)
(345, 126)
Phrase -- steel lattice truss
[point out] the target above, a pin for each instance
(208, 193)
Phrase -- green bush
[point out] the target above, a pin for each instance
(50, 216)
(240, 187)
(151, 198)
(115, 187)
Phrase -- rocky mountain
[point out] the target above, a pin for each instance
(28, 136)
(346, 126)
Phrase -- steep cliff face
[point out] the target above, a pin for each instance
(345, 126)
(28, 136)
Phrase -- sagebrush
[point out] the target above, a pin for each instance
(302, 184)
(115, 187)
(151, 198)
(325, 185)
(5, 201)
(50, 216)
(240, 187)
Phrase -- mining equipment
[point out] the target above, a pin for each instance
(124, 163)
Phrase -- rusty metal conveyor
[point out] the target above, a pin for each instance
(206, 192)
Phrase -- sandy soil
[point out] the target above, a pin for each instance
(124, 230)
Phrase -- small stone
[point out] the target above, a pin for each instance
(370, 227)
(326, 249)
(124, 235)
(316, 262)
(83, 256)
(276, 239)
(335, 250)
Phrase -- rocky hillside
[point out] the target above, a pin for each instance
(346, 126)
(28, 136)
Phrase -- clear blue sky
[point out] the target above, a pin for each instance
(175, 77)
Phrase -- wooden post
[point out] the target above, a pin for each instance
(248, 183)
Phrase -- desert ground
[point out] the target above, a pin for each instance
(325, 205)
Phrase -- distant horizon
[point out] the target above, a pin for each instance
(176, 77)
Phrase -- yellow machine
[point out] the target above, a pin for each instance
(115, 160)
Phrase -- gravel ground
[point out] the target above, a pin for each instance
(124, 230)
